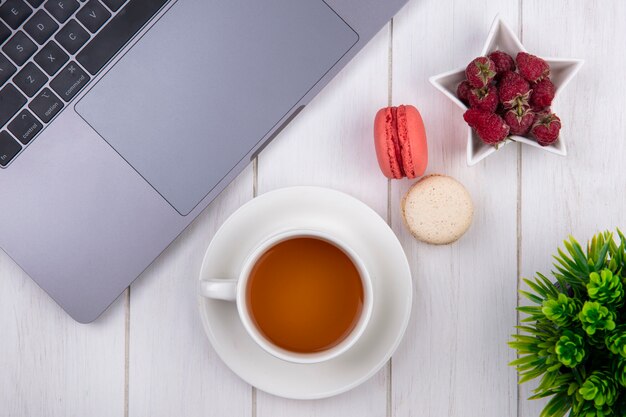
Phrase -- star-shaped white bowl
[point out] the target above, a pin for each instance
(501, 37)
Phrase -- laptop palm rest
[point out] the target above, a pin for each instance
(206, 83)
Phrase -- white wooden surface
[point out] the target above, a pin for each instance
(453, 361)
(583, 195)
(148, 356)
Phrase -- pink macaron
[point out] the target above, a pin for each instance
(400, 140)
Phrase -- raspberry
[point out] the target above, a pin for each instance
(463, 91)
(489, 126)
(513, 90)
(484, 98)
(531, 67)
(546, 128)
(504, 62)
(480, 72)
(542, 95)
(519, 120)
(501, 111)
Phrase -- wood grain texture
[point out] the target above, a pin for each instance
(51, 365)
(453, 360)
(330, 144)
(173, 370)
(581, 194)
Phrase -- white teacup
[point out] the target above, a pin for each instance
(234, 289)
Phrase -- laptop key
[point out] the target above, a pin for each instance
(93, 15)
(114, 4)
(61, 10)
(6, 69)
(40, 27)
(72, 36)
(8, 148)
(115, 34)
(14, 12)
(19, 48)
(35, 3)
(70, 81)
(25, 127)
(5, 32)
(51, 58)
(30, 79)
(11, 101)
(46, 105)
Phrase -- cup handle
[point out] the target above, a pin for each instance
(219, 289)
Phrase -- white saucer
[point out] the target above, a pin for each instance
(351, 221)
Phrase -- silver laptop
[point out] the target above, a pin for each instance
(121, 120)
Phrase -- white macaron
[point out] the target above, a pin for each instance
(437, 209)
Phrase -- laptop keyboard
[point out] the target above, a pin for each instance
(49, 51)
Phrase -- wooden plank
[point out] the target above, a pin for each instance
(51, 365)
(330, 144)
(453, 360)
(581, 193)
(173, 370)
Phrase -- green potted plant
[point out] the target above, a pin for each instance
(573, 335)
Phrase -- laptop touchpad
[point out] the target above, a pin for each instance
(206, 83)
